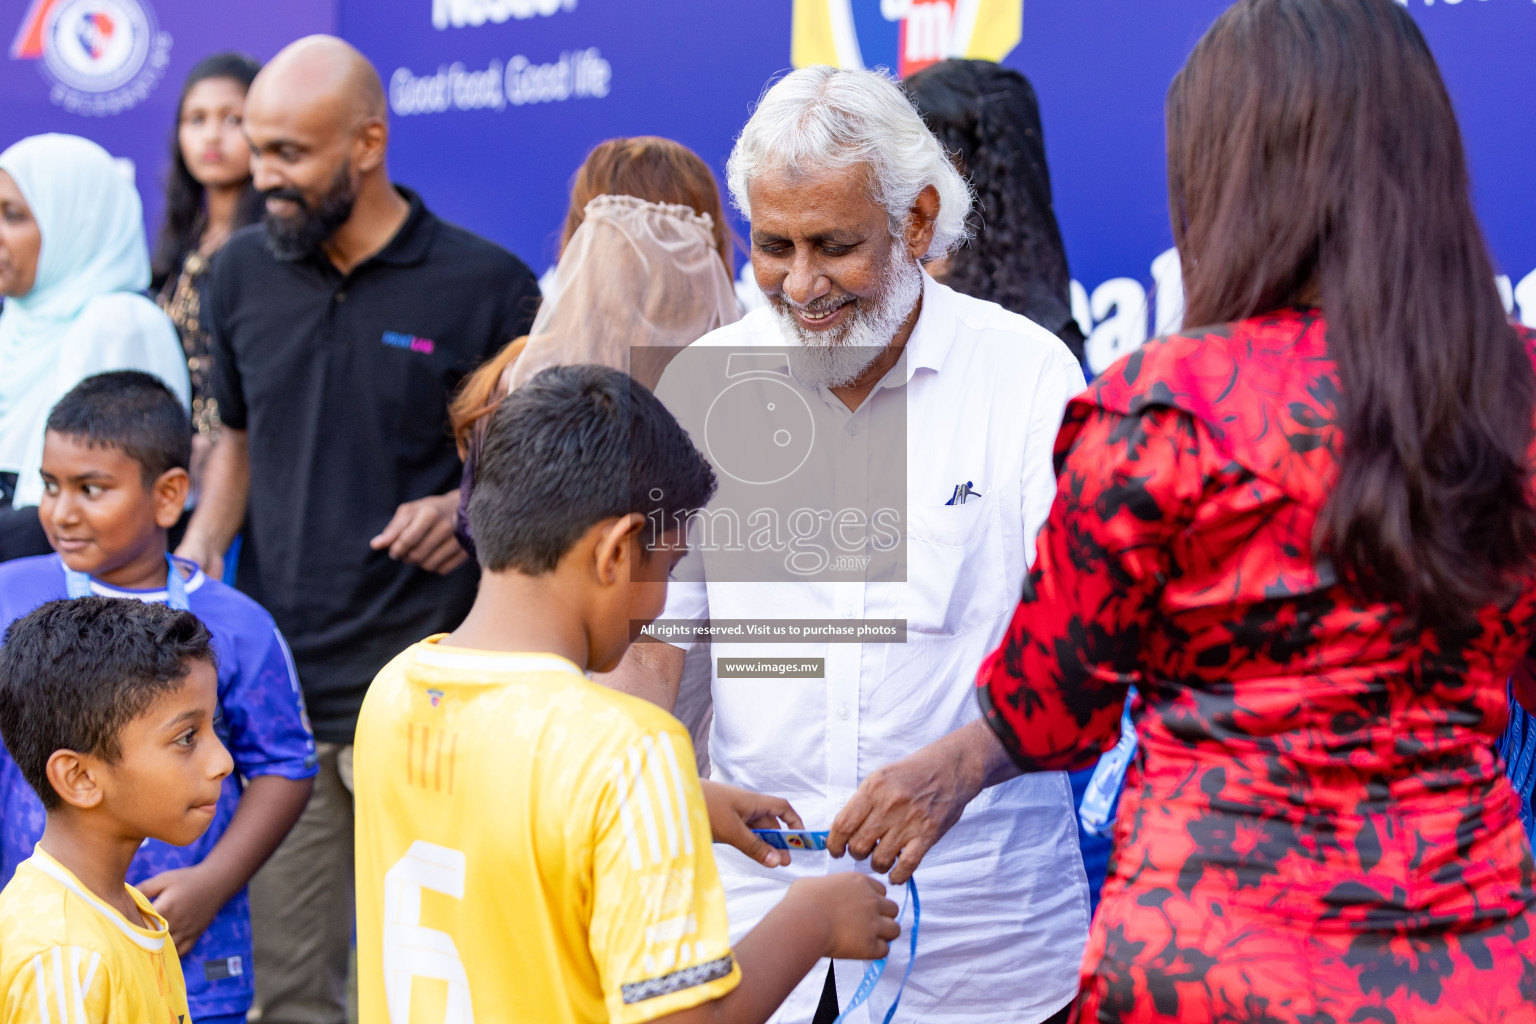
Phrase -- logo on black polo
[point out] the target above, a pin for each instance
(409, 342)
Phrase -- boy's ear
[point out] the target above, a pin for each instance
(170, 491)
(614, 545)
(72, 777)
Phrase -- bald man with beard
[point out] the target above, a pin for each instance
(340, 326)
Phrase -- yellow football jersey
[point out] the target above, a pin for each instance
(531, 846)
(68, 958)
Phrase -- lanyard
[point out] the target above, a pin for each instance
(78, 584)
(798, 839)
(1102, 797)
(874, 970)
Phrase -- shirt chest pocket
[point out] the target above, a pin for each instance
(956, 574)
(413, 387)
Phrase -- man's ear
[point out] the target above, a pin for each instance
(73, 777)
(614, 546)
(372, 142)
(918, 233)
(170, 493)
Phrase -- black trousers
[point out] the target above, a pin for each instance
(826, 1010)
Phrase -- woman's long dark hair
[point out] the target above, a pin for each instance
(1314, 158)
(182, 230)
(988, 118)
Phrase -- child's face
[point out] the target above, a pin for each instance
(96, 510)
(167, 781)
(648, 577)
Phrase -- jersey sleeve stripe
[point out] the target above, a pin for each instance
(42, 990)
(60, 991)
(293, 670)
(680, 792)
(626, 816)
(79, 988)
(647, 813)
(660, 784)
(677, 981)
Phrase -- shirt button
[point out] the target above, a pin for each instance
(341, 296)
(853, 428)
(842, 711)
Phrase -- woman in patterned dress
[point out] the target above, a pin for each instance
(1305, 533)
(208, 196)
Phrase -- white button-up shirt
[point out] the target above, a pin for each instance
(1004, 895)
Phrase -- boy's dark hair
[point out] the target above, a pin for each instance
(574, 446)
(131, 411)
(74, 672)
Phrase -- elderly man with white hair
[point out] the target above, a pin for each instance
(848, 194)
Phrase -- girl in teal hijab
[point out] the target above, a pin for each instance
(73, 280)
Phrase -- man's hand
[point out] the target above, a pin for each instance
(421, 533)
(221, 509)
(735, 812)
(905, 807)
(204, 553)
(188, 899)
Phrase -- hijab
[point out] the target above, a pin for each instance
(92, 227)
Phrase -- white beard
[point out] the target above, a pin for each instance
(836, 358)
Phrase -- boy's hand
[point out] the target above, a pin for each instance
(421, 533)
(187, 899)
(735, 812)
(861, 922)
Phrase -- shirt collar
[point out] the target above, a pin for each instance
(431, 653)
(932, 335)
(409, 245)
(194, 577)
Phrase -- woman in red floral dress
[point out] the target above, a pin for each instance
(1306, 537)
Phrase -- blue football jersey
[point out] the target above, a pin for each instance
(262, 722)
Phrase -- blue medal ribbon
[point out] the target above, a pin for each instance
(800, 840)
(876, 968)
(78, 584)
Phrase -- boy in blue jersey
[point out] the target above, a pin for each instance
(115, 481)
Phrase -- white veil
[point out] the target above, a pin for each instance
(634, 275)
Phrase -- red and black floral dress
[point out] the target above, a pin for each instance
(1316, 827)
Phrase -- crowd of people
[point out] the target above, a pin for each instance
(334, 548)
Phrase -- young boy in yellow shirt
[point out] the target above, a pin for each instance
(107, 706)
(532, 846)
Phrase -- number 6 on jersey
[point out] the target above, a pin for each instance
(411, 951)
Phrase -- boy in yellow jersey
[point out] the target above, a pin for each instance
(531, 846)
(107, 707)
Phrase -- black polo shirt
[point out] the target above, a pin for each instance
(342, 384)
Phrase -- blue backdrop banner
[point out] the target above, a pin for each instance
(495, 102)
(111, 70)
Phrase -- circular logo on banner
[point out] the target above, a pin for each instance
(104, 56)
(903, 35)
